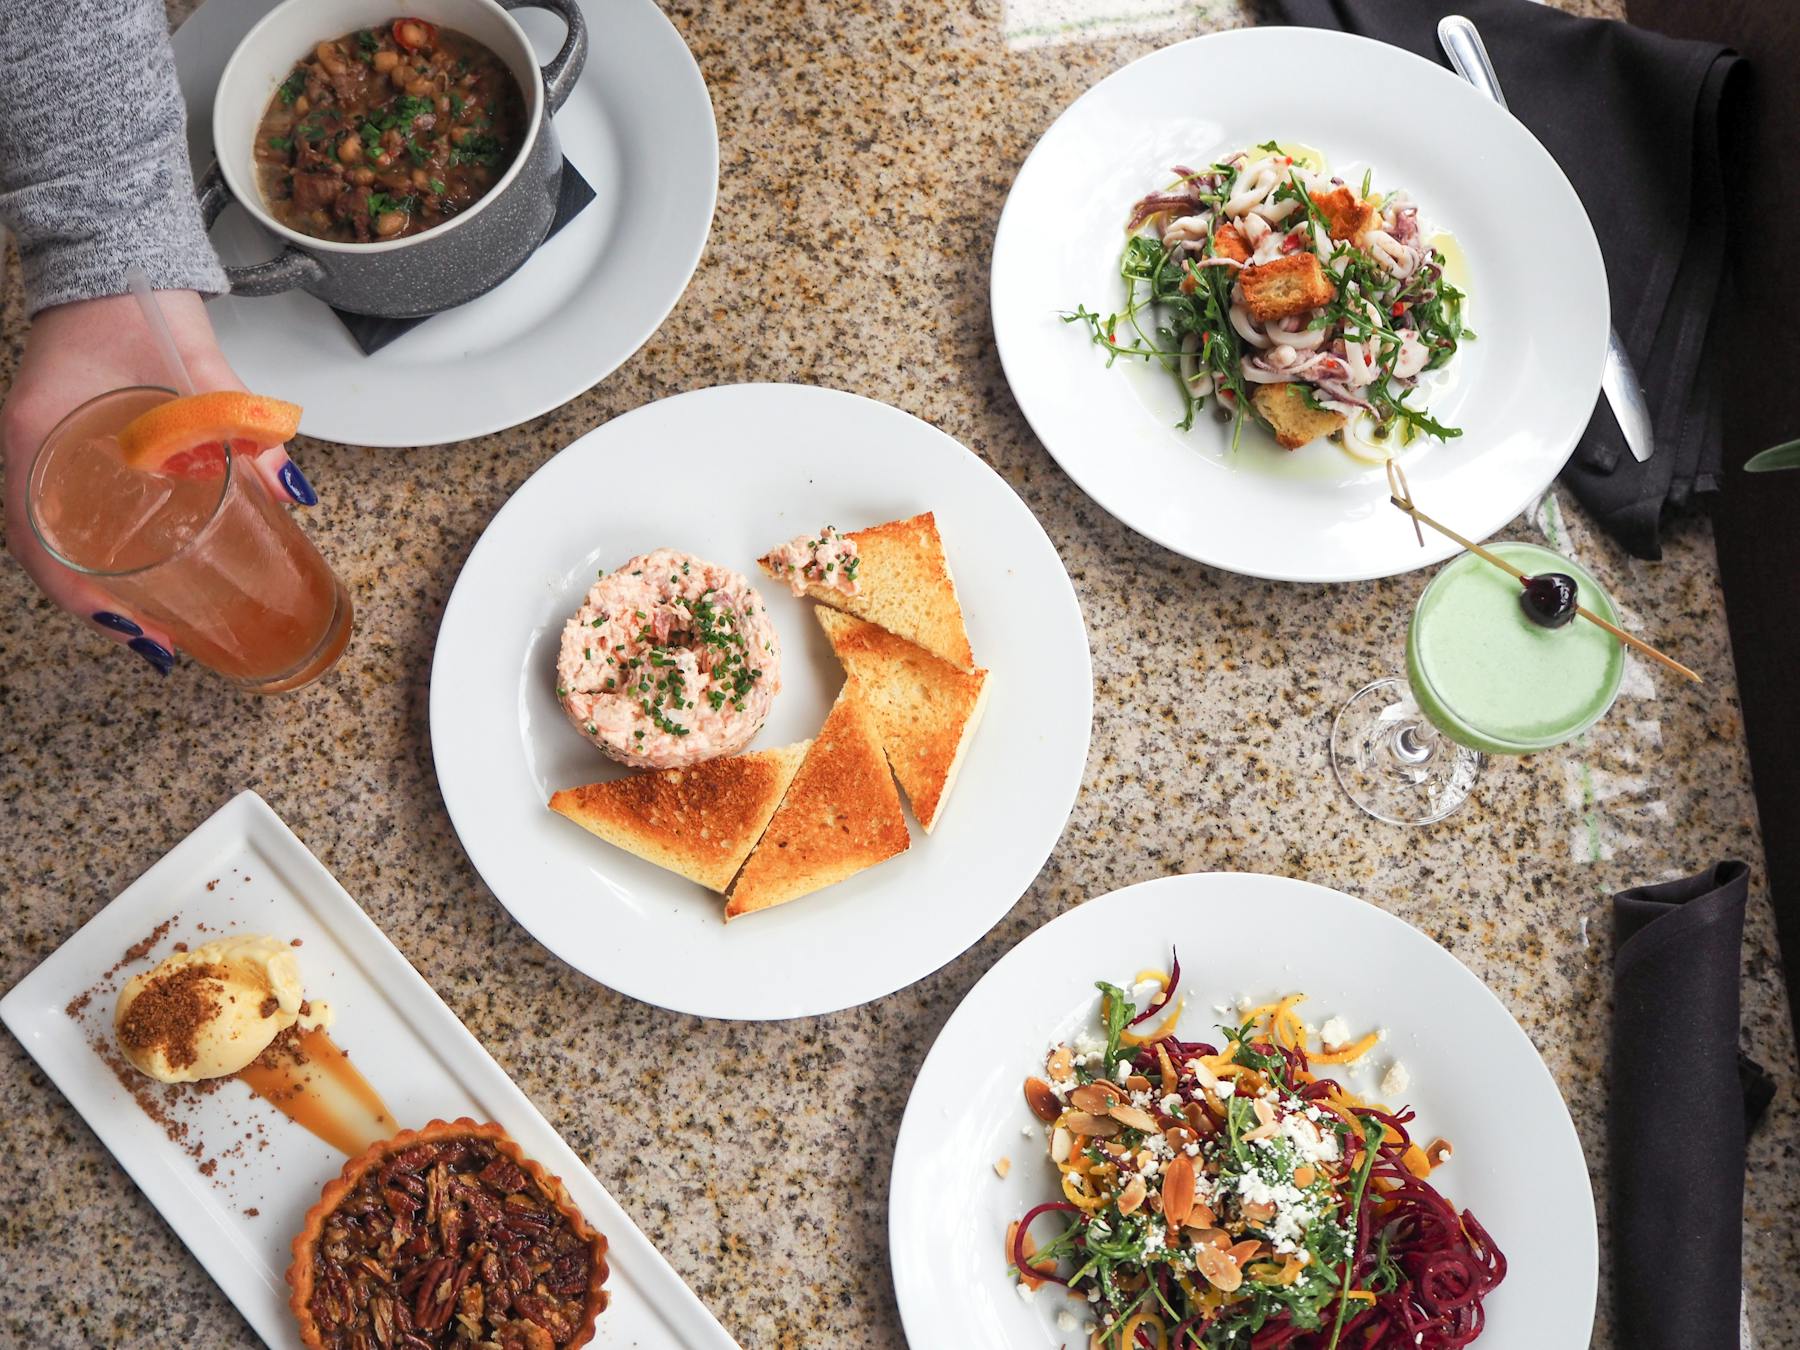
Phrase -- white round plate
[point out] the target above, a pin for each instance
(1476, 1081)
(1522, 391)
(726, 473)
(639, 126)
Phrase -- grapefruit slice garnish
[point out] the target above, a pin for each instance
(184, 437)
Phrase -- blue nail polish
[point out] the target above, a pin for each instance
(297, 486)
(118, 623)
(155, 653)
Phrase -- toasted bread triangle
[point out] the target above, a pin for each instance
(904, 584)
(841, 815)
(925, 709)
(701, 821)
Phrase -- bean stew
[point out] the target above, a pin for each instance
(387, 132)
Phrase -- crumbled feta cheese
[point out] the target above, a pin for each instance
(1026, 1292)
(1067, 1321)
(1226, 1088)
(1141, 1100)
(1026, 1130)
(1396, 1080)
(1335, 1032)
(1192, 1150)
(1171, 1104)
(1309, 1142)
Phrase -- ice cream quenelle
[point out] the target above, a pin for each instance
(209, 1011)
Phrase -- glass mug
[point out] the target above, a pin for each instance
(215, 559)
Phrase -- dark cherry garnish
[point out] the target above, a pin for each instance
(1548, 599)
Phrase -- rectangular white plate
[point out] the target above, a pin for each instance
(407, 1042)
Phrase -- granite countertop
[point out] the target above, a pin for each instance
(866, 149)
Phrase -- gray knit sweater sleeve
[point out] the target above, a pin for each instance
(93, 157)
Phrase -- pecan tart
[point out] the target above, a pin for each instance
(447, 1236)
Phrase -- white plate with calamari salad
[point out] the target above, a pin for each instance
(1224, 311)
(1233, 1112)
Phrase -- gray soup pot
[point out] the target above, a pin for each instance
(423, 273)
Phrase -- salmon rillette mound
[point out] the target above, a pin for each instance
(669, 661)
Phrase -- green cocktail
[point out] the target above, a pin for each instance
(1484, 677)
(1489, 677)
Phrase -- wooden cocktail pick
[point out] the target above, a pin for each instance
(1401, 496)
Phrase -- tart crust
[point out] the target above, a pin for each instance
(300, 1273)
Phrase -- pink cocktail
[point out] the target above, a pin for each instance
(206, 553)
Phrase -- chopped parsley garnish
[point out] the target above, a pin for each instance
(292, 87)
(477, 150)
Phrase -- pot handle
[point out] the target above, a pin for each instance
(565, 67)
(285, 271)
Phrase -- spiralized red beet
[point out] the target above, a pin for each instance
(1018, 1249)
(1161, 1001)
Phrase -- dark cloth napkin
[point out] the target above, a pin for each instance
(1633, 118)
(371, 332)
(1682, 1101)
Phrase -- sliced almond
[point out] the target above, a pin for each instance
(1178, 1190)
(1170, 1079)
(1202, 1214)
(1002, 1167)
(1132, 1196)
(1437, 1153)
(1041, 1100)
(1060, 1064)
(1220, 1271)
(1198, 1120)
(1179, 1137)
(1095, 1127)
(1245, 1252)
(1304, 1176)
(1134, 1117)
(1209, 1237)
(1062, 1144)
(1137, 1083)
(1266, 1115)
(1259, 1211)
(1097, 1098)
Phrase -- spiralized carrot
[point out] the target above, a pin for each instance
(1128, 1332)
(1347, 1054)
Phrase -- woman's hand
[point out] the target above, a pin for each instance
(73, 353)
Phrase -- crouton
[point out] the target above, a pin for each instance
(1290, 285)
(1348, 214)
(1295, 420)
(1228, 242)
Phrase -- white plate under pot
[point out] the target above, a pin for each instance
(638, 125)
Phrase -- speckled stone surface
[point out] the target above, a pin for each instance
(866, 150)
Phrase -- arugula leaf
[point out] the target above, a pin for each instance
(293, 86)
(1371, 1137)
(1118, 1011)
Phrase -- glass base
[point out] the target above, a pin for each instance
(1393, 762)
(324, 656)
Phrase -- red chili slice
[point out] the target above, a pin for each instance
(415, 34)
